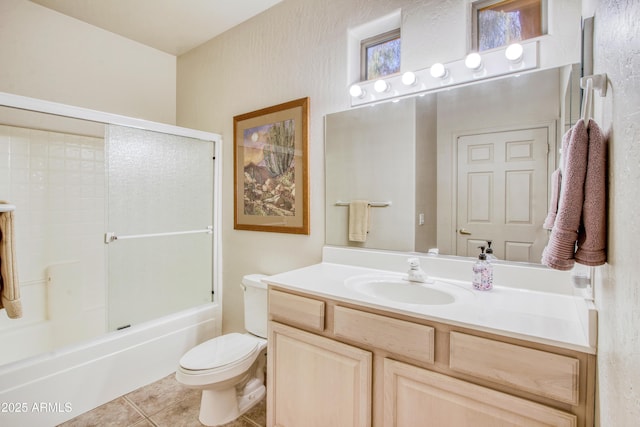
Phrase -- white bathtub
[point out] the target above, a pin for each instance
(52, 388)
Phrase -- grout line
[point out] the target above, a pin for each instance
(250, 421)
(137, 409)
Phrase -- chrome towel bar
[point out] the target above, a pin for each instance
(372, 204)
(110, 236)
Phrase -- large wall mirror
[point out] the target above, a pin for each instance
(458, 166)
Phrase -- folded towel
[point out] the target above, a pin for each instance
(560, 250)
(9, 285)
(556, 181)
(358, 220)
(592, 238)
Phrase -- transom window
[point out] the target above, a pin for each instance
(499, 23)
(380, 55)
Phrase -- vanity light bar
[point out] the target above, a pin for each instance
(494, 63)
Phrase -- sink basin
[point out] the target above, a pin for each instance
(396, 289)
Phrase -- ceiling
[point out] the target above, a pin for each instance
(172, 26)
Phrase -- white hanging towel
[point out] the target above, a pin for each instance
(358, 220)
(9, 285)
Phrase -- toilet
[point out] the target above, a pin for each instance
(230, 369)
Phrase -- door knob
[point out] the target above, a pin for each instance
(464, 231)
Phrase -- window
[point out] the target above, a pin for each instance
(499, 23)
(380, 55)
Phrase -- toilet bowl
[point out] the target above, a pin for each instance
(230, 369)
(230, 372)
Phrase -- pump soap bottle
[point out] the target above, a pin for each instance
(482, 272)
(489, 252)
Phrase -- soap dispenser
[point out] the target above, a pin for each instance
(482, 272)
(489, 252)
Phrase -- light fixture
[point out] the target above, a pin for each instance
(493, 63)
(409, 78)
(356, 91)
(514, 53)
(473, 61)
(438, 71)
(381, 86)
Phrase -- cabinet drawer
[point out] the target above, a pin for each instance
(412, 393)
(393, 335)
(540, 372)
(295, 310)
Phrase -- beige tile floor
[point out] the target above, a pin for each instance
(164, 403)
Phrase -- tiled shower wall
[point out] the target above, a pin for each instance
(57, 182)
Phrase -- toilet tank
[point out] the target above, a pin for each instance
(255, 304)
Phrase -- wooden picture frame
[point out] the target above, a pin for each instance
(271, 184)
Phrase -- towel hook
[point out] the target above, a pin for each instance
(595, 82)
(587, 101)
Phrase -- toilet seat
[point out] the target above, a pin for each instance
(215, 353)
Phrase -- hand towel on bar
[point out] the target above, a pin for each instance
(592, 237)
(9, 285)
(560, 250)
(358, 220)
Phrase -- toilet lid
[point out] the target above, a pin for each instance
(219, 351)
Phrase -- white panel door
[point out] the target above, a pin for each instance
(502, 193)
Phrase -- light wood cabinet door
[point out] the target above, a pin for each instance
(416, 397)
(316, 382)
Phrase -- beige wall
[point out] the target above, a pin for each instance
(617, 53)
(299, 48)
(51, 56)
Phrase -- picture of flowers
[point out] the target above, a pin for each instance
(270, 153)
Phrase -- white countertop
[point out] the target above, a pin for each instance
(542, 317)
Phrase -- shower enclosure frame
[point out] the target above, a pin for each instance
(44, 375)
(64, 110)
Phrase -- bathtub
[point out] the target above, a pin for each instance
(49, 389)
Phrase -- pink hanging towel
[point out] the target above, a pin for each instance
(556, 184)
(579, 232)
(556, 181)
(559, 253)
(592, 237)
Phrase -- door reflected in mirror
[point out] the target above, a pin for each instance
(460, 166)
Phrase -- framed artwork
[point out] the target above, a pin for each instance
(271, 186)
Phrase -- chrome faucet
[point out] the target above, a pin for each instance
(416, 273)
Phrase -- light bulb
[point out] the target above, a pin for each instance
(381, 86)
(438, 71)
(473, 61)
(514, 52)
(356, 91)
(409, 78)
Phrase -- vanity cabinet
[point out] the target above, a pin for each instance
(333, 363)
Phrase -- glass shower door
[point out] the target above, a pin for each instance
(160, 207)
